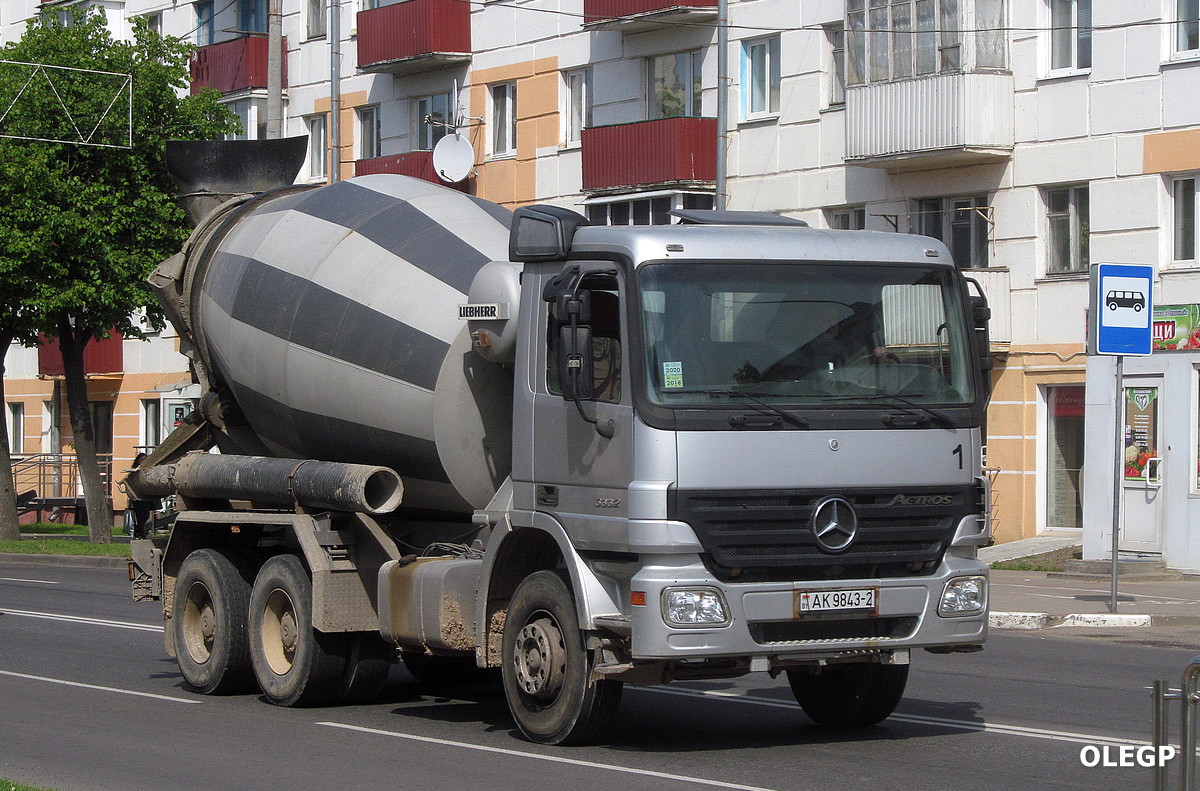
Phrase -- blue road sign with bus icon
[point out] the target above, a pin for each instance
(1121, 308)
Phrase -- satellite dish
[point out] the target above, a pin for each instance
(453, 158)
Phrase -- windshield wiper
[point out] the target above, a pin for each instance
(941, 417)
(753, 398)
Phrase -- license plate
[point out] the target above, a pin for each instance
(836, 600)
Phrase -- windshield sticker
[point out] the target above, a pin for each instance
(672, 374)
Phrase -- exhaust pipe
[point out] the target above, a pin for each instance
(210, 172)
(359, 488)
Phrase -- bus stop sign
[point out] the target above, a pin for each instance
(1120, 310)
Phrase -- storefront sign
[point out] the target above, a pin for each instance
(1141, 430)
(1176, 327)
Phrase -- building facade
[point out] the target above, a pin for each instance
(1032, 136)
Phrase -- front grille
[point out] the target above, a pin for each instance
(760, 535)
(892, 628)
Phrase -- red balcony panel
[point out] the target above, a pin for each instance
(598, 12)
(418, 164)
(99, 356)
(414, 35)
(665, 151)
(239, 64)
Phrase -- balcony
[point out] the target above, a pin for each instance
(414, 36)
(664, 152)
(418, 164)
(937, 121)
(99, 356)
(632, 16)
(239, 64)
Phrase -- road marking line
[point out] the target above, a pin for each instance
(989, 727)
(18, 579)
(98, 687)
(142, 627)
(551, 758)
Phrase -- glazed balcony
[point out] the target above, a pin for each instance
(239, 64)
(632, 16)
(664, 152)
(414, 36)
(936, 121)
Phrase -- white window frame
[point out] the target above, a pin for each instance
(318, 147)
(890, 40)
(1077, 217)
(624, 209)
(1077, 14)
(252, 112)
(1183, 37)
(577, 115)
(835, 46)
(151, 419)
(370, 143)
(425, 134)
(847, 218)
(14, 416)
(503, 116)
(957, 215)
(761, 78)
(691, 62)
(1185, 211)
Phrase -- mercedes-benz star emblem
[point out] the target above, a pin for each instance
(834, 525)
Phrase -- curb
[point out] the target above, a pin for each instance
(77, 561)
(1041, 620)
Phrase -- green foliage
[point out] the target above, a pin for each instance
(63, 546)
(82, 226)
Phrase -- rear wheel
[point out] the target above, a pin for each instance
(849, 695)
(212, 596)
(295, 665)
(547, 670)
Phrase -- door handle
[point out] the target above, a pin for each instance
(1154, 473)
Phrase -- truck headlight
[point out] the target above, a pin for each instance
(694, 607)
(964, 596)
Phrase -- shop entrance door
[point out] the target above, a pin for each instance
(1142, 474)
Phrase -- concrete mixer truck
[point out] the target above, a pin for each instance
(586, 456)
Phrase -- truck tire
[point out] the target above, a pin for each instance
(212, 647)
(295, 664)
(546, 668)
(850, 695)
(369, 659)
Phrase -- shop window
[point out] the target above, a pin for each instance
(1064, 456)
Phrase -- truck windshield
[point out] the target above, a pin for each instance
(834, 334)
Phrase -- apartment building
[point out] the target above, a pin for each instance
(1032, 136)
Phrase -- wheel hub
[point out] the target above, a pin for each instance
(540, 659)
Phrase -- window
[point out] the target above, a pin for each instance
(1068, 226)
(835, 36)
(1070, 34)
(51, 427)
(151, 424)
(760, 77)
(102, 425)
(1184, 226)
(1187, 27)
(653, 209)
(154, 23)
(961, 223)
(317, 18)
(16, 428)
(253, 16)
(1064, 456)
(901, 39)
(579, 104)
(434, 120)
(504, 119)
(317, 147)
(368, 132)
(673, 87)
(206, 26)
(848, 219)
(252, 113)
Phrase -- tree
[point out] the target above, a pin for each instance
(81, 226)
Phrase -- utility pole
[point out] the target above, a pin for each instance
(274, 70)
(722, 99)
(335, 89)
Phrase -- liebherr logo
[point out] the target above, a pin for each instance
(921, 499)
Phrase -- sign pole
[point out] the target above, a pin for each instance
(1119, 477)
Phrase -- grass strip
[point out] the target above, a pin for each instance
(62, 546)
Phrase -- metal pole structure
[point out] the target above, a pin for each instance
(274, 70)
(1119, 476)
(1187, 730)
(722, 99)
(335, 89)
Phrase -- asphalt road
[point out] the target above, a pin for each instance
(90, 702)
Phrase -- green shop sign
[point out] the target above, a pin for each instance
(1176, 327)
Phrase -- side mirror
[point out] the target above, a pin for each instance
(981, 314)
(576, 368)
(542, 233)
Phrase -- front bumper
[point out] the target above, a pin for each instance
(763, 621)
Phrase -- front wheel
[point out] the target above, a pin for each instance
(546, 668)
(849, 695)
